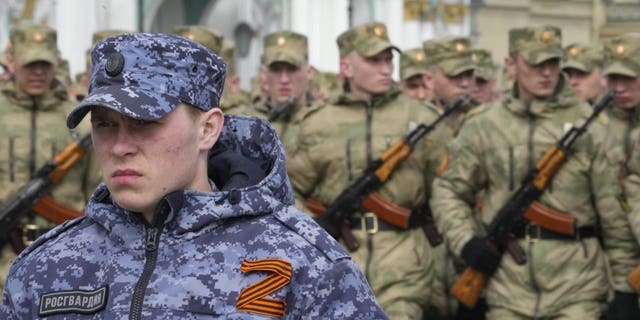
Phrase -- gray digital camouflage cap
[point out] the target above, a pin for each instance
(536, 44)
(145, 76)
(412, 63)
(285, 46)
(485, 68)
(34, 43)
(367, 39)
(622, 55)
(583, 57)
(451, 54)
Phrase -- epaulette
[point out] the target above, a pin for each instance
(50, 235)
(477, 110)
(300, 223)
(603, 118)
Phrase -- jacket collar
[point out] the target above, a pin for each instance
(191, 210)
(563, 97)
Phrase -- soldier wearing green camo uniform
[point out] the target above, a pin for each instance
(484, 89)
(583, 65)
(338, 141)
(286, 71)
(412, 81)
(450, 74)
(565, 276)
(234, 99)
(33, 109)
(622, 70)
(450, 71)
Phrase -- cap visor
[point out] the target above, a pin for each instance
(410, 72)
(283, 57)
(483, 73)
(572, 64)
(129, 101)
(619, 68)
(538, 56)
(378, 47)
(454, 67)
(25, 57)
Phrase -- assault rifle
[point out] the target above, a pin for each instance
(283, 108)
(32, 196)
(360, 194)
(522, 207)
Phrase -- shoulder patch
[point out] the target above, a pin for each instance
(73, 301)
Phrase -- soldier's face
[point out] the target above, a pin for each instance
(142, 161)
(627, 90)
(448, 88)
(34, 78)
(284, 80)
(587, 86)
(483, 90)
(369, 75)
(536, 81)
(416, 88)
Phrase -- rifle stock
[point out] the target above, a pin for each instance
(634, 278)
(469, 286)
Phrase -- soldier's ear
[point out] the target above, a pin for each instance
(310, 72)
(346, 68)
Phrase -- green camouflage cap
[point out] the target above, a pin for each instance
(485, 68)
(285, 46)
(582, 57)
(622, 55)
(412, 62)
(103, 34)
(226, 53)
(451, 54)
(34, 43)
(536, 44)
(207, 37)
(367, 39)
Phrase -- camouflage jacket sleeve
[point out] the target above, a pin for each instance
(453, 194)
(622, 250)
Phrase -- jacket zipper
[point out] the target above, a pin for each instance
(152, 241)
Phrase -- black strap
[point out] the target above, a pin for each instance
(537, 232)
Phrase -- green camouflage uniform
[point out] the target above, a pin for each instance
(33, 130)
(291, 48)
(564, 279)
(453, 56)
(325, 87)
(622, 56)
(335, 145)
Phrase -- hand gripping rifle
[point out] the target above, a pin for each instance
(32, 196)
(336, 218)
(518, 209)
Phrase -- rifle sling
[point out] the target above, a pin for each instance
(538, 232)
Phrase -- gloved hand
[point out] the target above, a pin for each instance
(623, 306)
(478, 255)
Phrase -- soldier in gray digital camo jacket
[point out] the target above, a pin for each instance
(160, 240)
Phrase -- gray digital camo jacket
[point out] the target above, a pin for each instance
(243, 254)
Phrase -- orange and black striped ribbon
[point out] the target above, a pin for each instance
(254, 298)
